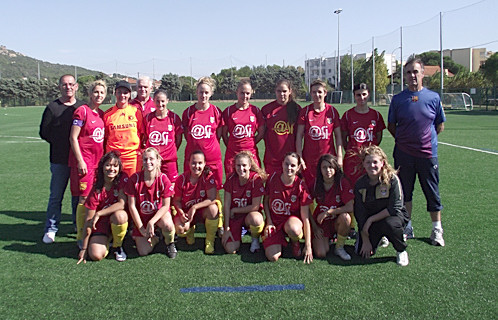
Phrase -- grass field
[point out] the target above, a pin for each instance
(459, 281)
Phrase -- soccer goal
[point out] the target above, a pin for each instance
(459, 100)
(336, 97)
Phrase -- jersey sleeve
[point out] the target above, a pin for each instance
(301, 118)
(344, 122)
(178, 124)
(259, 189)
(346, 191)
(178, 190)
(79, 117)
(381, 125)
(305, 196)
(259, 117)
(337, 118)
(168, 190)
(130, 186)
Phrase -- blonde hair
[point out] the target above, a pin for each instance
(387, 172)
(158, 156)
(206, 80)
(95, 84)
(242, 83)
(254, 166)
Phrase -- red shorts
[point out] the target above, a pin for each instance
(145, 219)
(236, 225)
(81, 185)
(277, 236)
(328, 227)
(170, 169)
(103, 226)
(217, 169)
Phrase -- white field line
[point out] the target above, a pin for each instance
(23, 137)
(468, 148)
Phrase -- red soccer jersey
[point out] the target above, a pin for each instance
(334, 198)
(285, 201)
(148, 107)
(98, 201)
(242, 195)
(91, 137)
(361, 127)
(242, 126)
(318, 133)
(148, 199)
(191, 194)
(161, 134)
(200, 132)
(280, 136)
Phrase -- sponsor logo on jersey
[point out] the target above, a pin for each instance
(414, 98)
(98, 135)
(157, 138)
(83, 186)
(211, 119)
(293, 198)
(252, 119)
(329, 120)
(280, 207)
(147, 207)
(170, 127)
(319, 133)
(202, 193)
(240, 131)
(282, 128)
(240, 202)
(201, 132)
(248, 193)
(361, 135)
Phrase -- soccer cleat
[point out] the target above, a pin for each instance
(120, 254)
(296, 249)
(384, 243)
(437, 237)
(402, 258)
(408, 232)
(341, 253)
(209, 249)
(254, 245)
(171, 250)
(49, 237)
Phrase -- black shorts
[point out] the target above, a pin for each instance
(427, 170)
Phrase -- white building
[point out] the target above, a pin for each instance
(326, 68)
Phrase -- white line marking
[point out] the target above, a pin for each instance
(473, 149)
(23, 137)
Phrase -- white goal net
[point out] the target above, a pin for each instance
(336, 97)
(460, 100)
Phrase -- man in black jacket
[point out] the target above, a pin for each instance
(55, 127)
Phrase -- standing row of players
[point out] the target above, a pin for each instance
(282, 124)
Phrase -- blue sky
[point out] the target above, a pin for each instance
(158, 37)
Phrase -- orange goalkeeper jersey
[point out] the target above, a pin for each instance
(123, 129)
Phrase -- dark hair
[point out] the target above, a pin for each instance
(413, 60)
(361, 86)
(207, 169)
(292, 107)
(100, 180)
(160, 91)
(319, 189)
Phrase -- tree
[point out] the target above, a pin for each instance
(228, 85)
(490, 69)
(365, 73)
(188, 88)
(171, 83)
(433, 58)
(346, 71)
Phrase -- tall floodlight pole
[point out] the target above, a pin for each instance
(352, 76)
(392, 71)
(338, 84)
(373, 72)
(402, 75)
(441, 51)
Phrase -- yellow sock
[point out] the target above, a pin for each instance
(118, 234)
(220, 210)
(312, 206)
(296, 239)
(353, 220)
(169, 236)
(340, 241)
(173, 211)
(211, 228)
(80, 221)
(256, 230)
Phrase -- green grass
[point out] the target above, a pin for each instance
(457, 281)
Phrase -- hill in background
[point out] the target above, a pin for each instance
(15, 65)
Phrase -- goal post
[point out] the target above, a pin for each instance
(457, 100)
(336, 97)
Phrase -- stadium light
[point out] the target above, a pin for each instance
(338, 84)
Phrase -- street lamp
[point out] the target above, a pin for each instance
(338, 84)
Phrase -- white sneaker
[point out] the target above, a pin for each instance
(341, 253)
(384, 243)
(254, 245)
(49, 237)
(402, 258)
(120, 254)
(437, 237)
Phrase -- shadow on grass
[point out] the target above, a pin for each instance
(425, 240)
(473, 112)
(355, 259)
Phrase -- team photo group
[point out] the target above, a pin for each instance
(323, 177)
